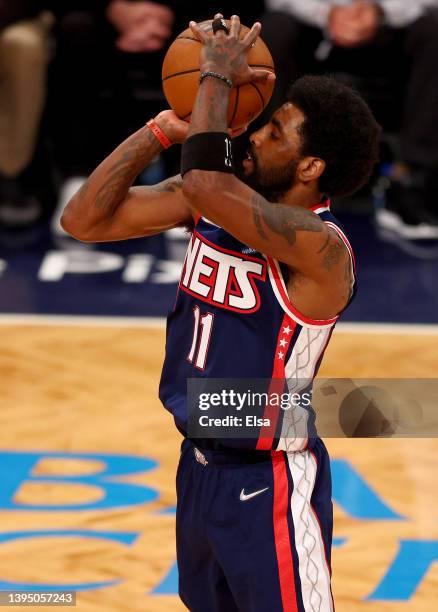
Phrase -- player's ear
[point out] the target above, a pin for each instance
(310, 169)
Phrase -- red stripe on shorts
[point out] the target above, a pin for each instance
(281, 533)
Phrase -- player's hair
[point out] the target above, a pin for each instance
(340, 128)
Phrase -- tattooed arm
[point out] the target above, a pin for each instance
(292, 234)
(318, 259)
(107, 207)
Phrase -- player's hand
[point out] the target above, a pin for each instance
(177, 130)
(227, 54)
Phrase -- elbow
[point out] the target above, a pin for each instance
(66, 221)
(69, 223)
(192, 185)
(199, 185)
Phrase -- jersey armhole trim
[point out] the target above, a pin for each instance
(280, 292)
(345, 240)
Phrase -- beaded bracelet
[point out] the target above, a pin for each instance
(216, 75)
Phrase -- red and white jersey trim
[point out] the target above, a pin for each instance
(345, 240)
(198, 218)
(210, 222)
(284, 338)
(321, 207)
(299, 371)
(280, 292)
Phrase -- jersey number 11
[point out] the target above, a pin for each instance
(201, 338)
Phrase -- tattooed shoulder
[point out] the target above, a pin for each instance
(333, 254)
(333, 251)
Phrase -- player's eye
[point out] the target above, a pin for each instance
(274, 136)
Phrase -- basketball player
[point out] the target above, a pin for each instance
(267, 274)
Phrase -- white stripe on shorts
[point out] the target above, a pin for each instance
(312, 565)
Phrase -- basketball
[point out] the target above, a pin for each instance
(180, 77)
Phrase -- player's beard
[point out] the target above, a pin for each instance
(272, 183)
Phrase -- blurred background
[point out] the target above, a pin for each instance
(83, 325)
(77, 77)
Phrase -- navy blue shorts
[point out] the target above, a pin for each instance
(254, 530)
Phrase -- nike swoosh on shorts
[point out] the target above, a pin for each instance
(245, 497)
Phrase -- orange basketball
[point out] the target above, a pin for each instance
(180, 76)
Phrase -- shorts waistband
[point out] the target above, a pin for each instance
(224, 457)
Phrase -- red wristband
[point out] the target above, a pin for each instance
(158, 133)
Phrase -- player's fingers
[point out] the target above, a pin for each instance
(200, 35)
(251, 37)
(262, 76)
(218, 16)
(235, 26)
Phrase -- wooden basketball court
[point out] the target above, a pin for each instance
(93, 389)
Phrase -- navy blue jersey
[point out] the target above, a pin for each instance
(233, 318)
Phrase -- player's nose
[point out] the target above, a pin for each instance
(256, 138)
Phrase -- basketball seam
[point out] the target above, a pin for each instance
(259, 92)
(175, 74)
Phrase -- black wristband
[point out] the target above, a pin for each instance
(207, 151)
